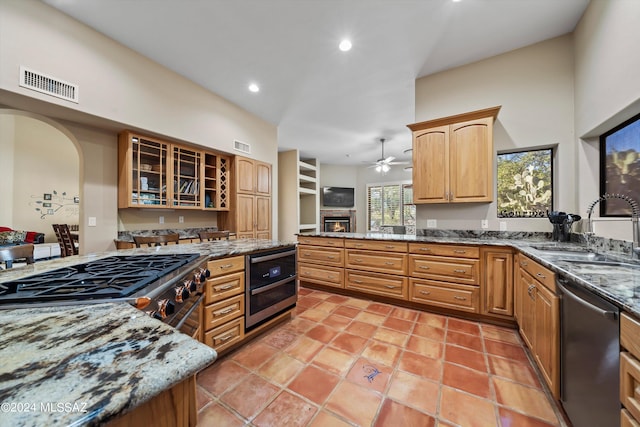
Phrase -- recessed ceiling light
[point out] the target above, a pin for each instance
(345, 45)
(254, 87)
(456, 1)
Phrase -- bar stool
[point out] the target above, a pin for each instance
(208, 236)
(9, 254)
(68, 244)
(159, 240)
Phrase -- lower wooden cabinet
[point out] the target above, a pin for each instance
(497, 282)
(630, 370)
(446, 295)
(225, 336)
(386, 285)
(329, 276)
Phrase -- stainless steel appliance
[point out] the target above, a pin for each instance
(166, 286)
(270, 284)
(590, 358)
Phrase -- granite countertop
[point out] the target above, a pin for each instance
(95, 361)
(617, 284)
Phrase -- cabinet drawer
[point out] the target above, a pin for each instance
(457, 270)
(329, 276)
(225, 265)
(223, 311)
(382, 262)
(448, 295)
(321, 241)
(630, 383)
(378, 284)
(226, 335)
(540, 273)
(626, 420)
(324, 256)
(630, 334)
(219, 288)
(376, 245)
(458, 251)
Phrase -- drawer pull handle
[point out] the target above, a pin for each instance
(306, 241)
(459, 271)
(541, 275)
(306, 254)
(227, 338)
(524, 263)
(359, 245)
(459, 251)
(226, 311)
(390, 286)
(331, 257)
(227, 287)
(307, 273)
(530, 290)
(425, 292)
(460, 298)
(389, 263)
(389, 246)
(357, 281)
(424, 267)
(226, 266)
(358, 259)
(425, 249)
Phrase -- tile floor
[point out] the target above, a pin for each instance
(344, 361)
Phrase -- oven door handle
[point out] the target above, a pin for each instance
(272, 285)
(190, 312)
(272, 256)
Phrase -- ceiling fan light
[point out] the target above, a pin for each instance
(378, 168)
(385, 168)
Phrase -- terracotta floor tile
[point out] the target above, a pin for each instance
(314, 383)
(314, 315)
(465, 357)
(524, 399)
(427, 331)
(466, 326)
(497, 333)
(370, 375)
(299, 325)
(338, 299)
(361, 329)
(513, 419)
(322, 333)
(357, 303)
(431, 319)
(286, 410)
(404, 313)
(425, 367)
(510, 351)
(304, 349)
(333, 360)
(326, 306)
(202, 398)
(308, 301)
(254, 355)
(221, 376)
(281, 368)
(216, 415)
(350, 343)
(386, 354)
(398, 324)
(513, 370)
(391, 412)
(370, 318)
(250, 396)
(466, 379)
(347, 311)
(354, 403)
(382, 309)
(321, 294)
(304, 291)
(415, 391)
(337, 322)
(425, 347)
(280, 338)
(464, 340)
(327, 419)
(466, 410)
(390, 336)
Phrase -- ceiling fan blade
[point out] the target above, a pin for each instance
(399, 163)
(388, 159)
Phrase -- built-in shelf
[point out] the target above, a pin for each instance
(299, 195)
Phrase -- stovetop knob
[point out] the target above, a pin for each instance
(204, 274)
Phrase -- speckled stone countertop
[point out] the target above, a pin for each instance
(104, 359)
(617, 284)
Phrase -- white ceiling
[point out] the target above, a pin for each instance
(331, 105)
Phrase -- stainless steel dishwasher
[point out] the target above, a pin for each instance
(590, 357)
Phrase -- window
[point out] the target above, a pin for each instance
(390, 204)
(525, 183)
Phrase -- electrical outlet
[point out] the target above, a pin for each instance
(484, 223)
(92, 221)
(181, 219)
(503, 226)
(432, 223)
(161, 220)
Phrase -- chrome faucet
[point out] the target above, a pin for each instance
(635, 213)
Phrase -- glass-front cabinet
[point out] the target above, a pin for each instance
(157, 174)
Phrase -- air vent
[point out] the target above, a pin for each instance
(47, 84)
(242, 146)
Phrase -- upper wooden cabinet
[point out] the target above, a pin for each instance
(453, 158)
(252, 176)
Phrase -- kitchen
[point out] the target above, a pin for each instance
(577, 70)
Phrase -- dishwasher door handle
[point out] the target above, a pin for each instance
(605, 313)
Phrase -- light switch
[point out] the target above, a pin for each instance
(432, 223)
(161, 220)
(503, 226)
(92, 221)
(181, 219)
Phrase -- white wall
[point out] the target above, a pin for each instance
(534, 86)
(118, 89)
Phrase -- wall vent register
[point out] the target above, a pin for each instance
(39, 82)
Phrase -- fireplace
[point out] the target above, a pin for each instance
(342, 221)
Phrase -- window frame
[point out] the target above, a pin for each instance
(402, 184)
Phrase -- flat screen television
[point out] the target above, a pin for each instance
(340, 197)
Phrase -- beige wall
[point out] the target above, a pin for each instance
(118, 89)
(534, 86)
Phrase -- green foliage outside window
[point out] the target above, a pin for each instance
(525, 183)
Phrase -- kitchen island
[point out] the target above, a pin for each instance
(89, 364)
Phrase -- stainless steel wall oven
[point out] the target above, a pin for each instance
(270, 284)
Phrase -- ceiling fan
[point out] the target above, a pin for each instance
(383, 164)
